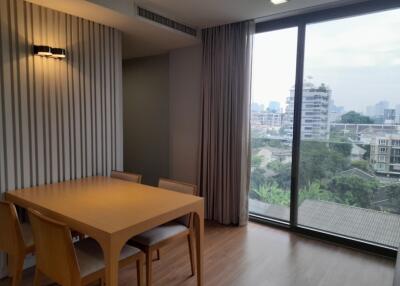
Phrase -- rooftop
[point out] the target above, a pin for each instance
(365, 224)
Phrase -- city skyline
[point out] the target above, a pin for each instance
(257, 106)
(358, 73)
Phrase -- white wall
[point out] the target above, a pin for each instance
(184, 106)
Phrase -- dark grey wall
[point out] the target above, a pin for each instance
(185, 93)
(146, 117)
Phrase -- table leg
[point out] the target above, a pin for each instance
(199, 232)
(111, 259)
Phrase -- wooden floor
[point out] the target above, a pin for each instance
(260, 255)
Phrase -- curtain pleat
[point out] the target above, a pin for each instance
(224, 147)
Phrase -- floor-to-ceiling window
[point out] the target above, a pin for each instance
(341, 76)
(274, 71)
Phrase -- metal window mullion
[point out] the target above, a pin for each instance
(298, 94)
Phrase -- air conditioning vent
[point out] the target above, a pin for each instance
(166, 22)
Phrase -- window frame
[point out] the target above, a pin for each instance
(301, 21)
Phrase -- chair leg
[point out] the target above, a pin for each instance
(139, 270)
(16, 267)
(38, 278)
(190, 239)
(149, 262)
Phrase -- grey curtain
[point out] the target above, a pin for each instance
(225, 124)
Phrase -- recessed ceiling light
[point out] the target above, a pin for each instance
(277, 2)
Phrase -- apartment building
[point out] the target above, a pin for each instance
(385, 155)
(315, 112)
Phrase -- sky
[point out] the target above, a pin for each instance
(357, 57)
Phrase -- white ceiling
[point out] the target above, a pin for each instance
(144, 38)
(208, 13)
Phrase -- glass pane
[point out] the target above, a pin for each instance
(350, 143)
(274, 67)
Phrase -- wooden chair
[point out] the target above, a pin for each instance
(156, 238)
(15, 239)
(71, 264)
(135, 178)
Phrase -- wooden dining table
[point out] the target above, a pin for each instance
(112, 211)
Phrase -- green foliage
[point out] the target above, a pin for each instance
(274, 143)
(314, 192)
(393, 195)
(355, 118)
(353, 190)
(257, 143)
(367, 154)
(258, 178)
(361, 164)
(271, 193)
(318, 162)
(283, 176)
(256, 160)
(343, 148)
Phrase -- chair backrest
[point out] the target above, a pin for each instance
(135, 178)
(55, 254)
(11, 240)
(180, 187)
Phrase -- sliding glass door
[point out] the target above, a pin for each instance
(326, 124)
(349, 175)
(273, 79)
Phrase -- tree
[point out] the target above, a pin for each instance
(353, 190)
(343, 148)
(318, 162)
(271, 193)
(283, 176)
(258, 178)
(367, 154)
(256, 160)
(393, 195)
(314, 192)
(355, 118)
(361, 164)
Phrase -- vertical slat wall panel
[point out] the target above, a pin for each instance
(2, 111)
(118, 109)
(59, 119)
(7, 92)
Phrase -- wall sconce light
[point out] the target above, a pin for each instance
(43, 51)
(58, 53)
(46, 51)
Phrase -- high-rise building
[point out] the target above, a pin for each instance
(385, 155)
(270, 120)
(380, 107)
(315, 112)
(274, 106)
(256, 107)
(398, 113)
(335, 112)
(389, 116)
(377, 110)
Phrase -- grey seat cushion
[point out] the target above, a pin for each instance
(159, 233)
(90, 255)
